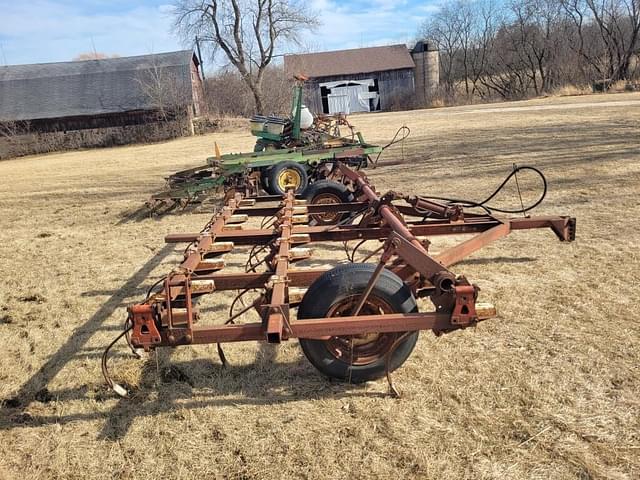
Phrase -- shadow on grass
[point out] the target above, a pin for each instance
(77, 341)
(494, 260)
(157, 209)
(166, 386)
(198, 383)
(136, 215)
(201, 383)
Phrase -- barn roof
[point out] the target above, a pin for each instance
(91, 87)
(350, 62)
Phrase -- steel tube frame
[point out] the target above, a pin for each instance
(384, 219)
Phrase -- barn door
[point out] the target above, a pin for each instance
(338, 103)
(350, 96)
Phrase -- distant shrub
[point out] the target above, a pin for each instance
(19, 141)
(571, 90)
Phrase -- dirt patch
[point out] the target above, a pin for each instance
(43, 395)
(32, 298)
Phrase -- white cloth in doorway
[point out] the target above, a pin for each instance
(354, 95)
(349, 96)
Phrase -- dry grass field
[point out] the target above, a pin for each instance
(550, 389)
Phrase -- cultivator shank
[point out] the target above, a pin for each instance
(367, 311)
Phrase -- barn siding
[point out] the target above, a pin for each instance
(197, 91)
(391, 84)
(312, 96)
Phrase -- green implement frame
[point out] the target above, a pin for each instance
(228, 167)
(314, 150)
(239, 162)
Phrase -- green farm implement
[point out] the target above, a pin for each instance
(290, 154)
(272, 172)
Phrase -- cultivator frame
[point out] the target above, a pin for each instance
(401, 223)
(242, 171)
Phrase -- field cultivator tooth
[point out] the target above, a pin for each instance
(355, 321)
(185, 188)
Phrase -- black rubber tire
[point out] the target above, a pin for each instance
(342, 282)
(259, 147)
(264, 180)
(323, 187)
(275, 171)
(328, 186)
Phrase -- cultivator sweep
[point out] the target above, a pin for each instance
(357, 321)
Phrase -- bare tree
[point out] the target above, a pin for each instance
(619, 24)
(162, 89)
(11, 132)
(482, 19)
(607, 34)
(529, 47)
(538, 41)
(505, 74)
(13, 128)
(246, 32)
(445, 29)
(228, 95)
(465, 35)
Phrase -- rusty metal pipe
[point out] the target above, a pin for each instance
(385, 210)
(400, 228)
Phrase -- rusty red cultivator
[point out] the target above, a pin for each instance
(356, 321)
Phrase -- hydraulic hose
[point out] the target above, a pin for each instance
(484, 204)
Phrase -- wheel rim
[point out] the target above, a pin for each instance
(360, 349)
(326, 199)
(289, 178)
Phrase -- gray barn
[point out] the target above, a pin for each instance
(100, 102)
(366, 79)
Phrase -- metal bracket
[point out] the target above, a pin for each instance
(464, 310)
(145, 334)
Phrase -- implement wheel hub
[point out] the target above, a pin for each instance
(327, 218)
(289, 179)
(360, 349)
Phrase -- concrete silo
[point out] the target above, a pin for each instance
(426, 56)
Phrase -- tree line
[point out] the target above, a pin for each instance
(505, 49)
(533, 47)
